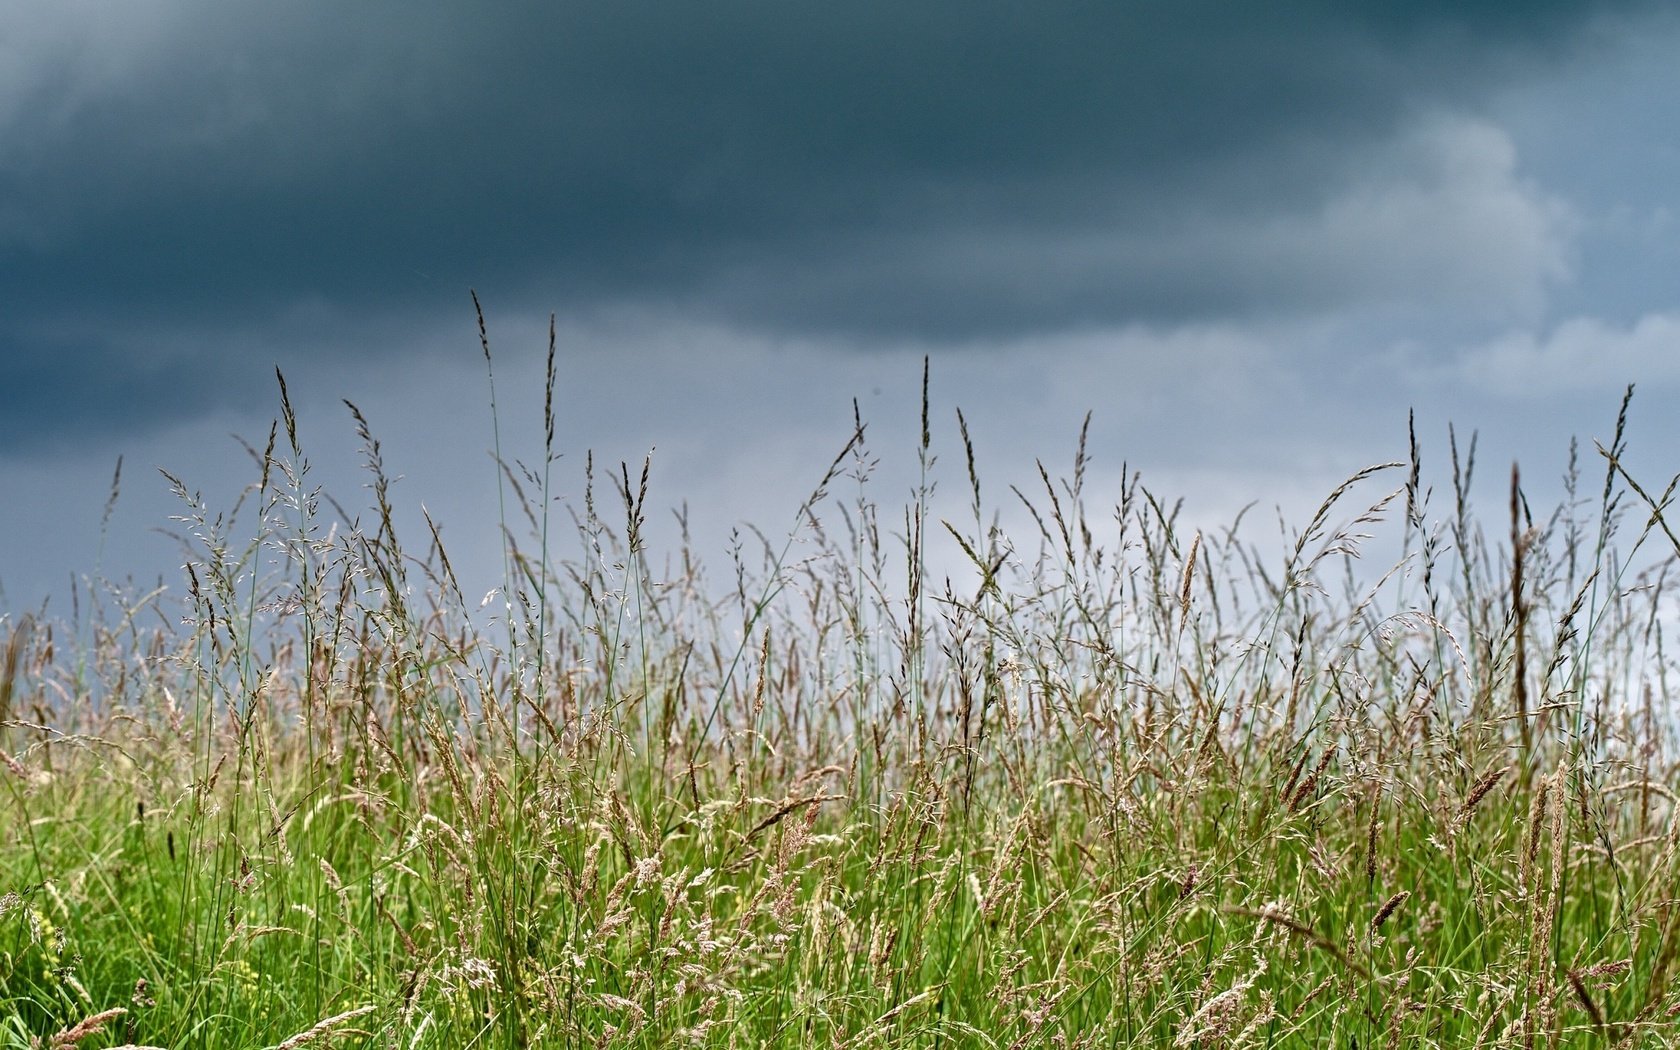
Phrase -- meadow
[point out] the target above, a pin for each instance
(1119, 783)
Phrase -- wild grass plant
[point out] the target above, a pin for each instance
(1119, 784)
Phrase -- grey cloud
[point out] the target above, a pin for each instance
(69, 383)
(638, 142)
(870, 167)
(1437, 220)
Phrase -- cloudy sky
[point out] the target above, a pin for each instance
(1247, 237)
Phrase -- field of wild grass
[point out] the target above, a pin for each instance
(1121, 784)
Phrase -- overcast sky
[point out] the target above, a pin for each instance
(1247, 237)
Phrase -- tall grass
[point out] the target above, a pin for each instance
(1118, 785)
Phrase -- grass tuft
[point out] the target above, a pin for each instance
(1116, 782)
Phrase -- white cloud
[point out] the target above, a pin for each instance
(1439, 219)
(1581, 355)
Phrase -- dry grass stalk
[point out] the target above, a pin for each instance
(9, 662)
(1531, 850)
(1371, 837)
(1388, 909)
(780, 813)
(1288, 792)
(1478, 791)
(1317, 990)
(88, 1026)
(1542, 1006)
(1586, 1000)
(1310, 785)
(323, 1029)
(1277, 917)
(1519, 617)
(1215, 1019)
(1189, 574)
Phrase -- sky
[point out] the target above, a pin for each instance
(1248, 239)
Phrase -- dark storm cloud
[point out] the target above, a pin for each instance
(55, 392)
(871, 167)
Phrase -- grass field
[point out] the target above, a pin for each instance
(1122, 784)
